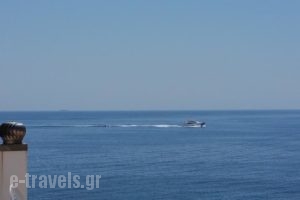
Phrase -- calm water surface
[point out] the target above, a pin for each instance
(147, 155)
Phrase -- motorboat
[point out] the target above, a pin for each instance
(194, 124)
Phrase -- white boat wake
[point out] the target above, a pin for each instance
(116, 126)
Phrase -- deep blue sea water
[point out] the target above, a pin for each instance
(249, 155)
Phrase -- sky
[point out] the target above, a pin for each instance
(149, 55)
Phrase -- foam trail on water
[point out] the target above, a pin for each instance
(148, 125)
(67, 126)
(106, 126)
(166, 126)
(125, 125)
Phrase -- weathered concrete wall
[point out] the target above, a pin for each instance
(13, 161)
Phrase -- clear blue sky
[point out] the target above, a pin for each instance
(144, 55)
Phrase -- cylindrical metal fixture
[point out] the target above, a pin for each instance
(12, 133)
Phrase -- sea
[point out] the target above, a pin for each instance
(147, 155)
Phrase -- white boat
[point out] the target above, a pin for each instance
(194, 124)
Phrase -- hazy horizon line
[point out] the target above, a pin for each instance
(154, 110)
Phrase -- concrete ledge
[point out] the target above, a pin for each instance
(14, 147)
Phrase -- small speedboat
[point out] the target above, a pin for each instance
(194, 124)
